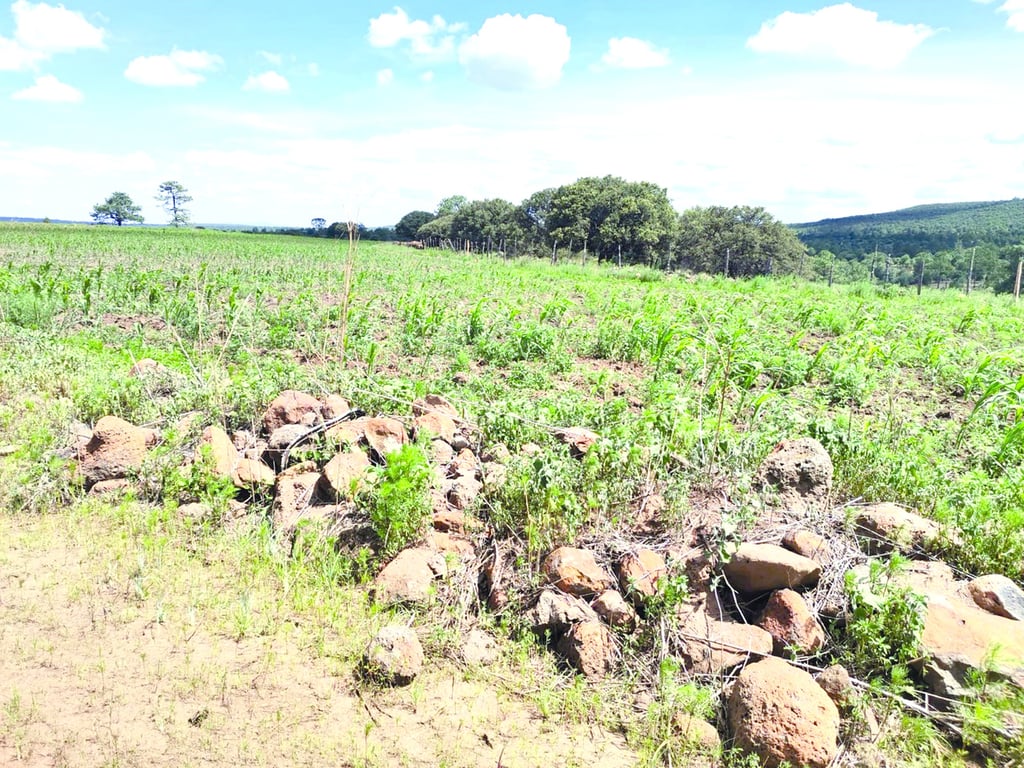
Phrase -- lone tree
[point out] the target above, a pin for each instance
(117, 208)
(173, 197)
(318, 224)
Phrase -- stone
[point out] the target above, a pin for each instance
(712, 646)
(243, 440)
(291, 407)
(495, 475)
(791, 624)
(807, 543)
(465, 463)
(999, 595)
(779, 713)
(385, 435)
(696, 733)
(115, 449)
(222, 451)
(350, 433)
(555, 612)
(462, 491)
(887, 526)
(837, 683)
(394, 656)
(435, 424)
(589, 647)
(195, 511)
(575, 571)
(453, 521)
(639, 573)
(764, 567)
(613, 608)
(285, 435)
(146, 365)
(345, 474)
(433, 404)
(800, 473)
(252, 474)
(478, 647)
(498, 452)
(409, 577)
(104, 487)
(579, 440)
(451, 544)
(294, 494)
(333, 406)
(440, 452)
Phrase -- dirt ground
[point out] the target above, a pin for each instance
(88, 678)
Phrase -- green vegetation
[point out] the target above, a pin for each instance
(689, 379)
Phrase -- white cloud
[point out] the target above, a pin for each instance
(41, 30)
(179, 68)
(512, 53)
(631, 53)
(1014, 10)
(434, 38)
(268, 82)
(53, 29)
(49, 88)
(844, 32)
(272, 58)
(385, 77)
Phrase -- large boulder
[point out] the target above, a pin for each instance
(252, 474)
(886, 526)
(639, 573)
(791, 624)
(809, 544)
(385, 435)
(590, 647)
(613, 608)
(800, 473)
(344, 474)
(409, 577)
(575, 571)
(695, 733)
(115, 449)
(554, 612)
(292, 407)
(221, 449)
(764, 567)
(294, 494)
(779, 713)
(393, 657)
(579, 439)
(435, 424)
(712, 646)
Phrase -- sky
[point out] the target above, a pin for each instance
(273, 114)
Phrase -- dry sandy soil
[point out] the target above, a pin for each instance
(90, 675)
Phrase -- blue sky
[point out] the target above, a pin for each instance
(273, 114)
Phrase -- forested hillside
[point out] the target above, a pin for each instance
(940, 227)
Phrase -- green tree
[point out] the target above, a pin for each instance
(451, 205)
(533, 217)
(483, 221)
(173, 197)
(740, 241)
(408, 225)
(118, 208)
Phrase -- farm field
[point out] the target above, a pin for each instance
(154, 620)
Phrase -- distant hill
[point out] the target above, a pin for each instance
(931, 228)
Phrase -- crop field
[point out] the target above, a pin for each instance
(690, 381)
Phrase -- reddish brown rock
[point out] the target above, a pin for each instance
(115, 449)
(222, 451)
(791, 624)
(435, 424)
(999, 595)
(451, 544)
(462, 491)
(344, 474)
(696, 733)
(333, 406)
(576, 572)
(555, 612)
(294, 494)
(453, 521)
(440, 452)
(808, 544)
(639, 573)
(590, 647)
(712, 646)
(614, 609)
(837, 683)
(252, 474)
(350, 433)
(291, 407)
(886, 526)
(105, 487)
(146, 365)
(394, 656)
(433, 404)
(578, 439)
(800, 473)
(409, 577)
(478, 647)
(779, 713)
(385, 435)
(764, 567)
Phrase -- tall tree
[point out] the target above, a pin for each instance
(318, 224)
(739, 241)
(174, 197)
(451, 205)
(118, 208)
(407, 226)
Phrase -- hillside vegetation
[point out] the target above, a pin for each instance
(612, 408)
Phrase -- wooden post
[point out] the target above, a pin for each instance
(1016, 283)
(970, 270)
(584, 250)
(620, 254)
(728, 253)
(554, 253)
(920, 279)
(831, 269)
